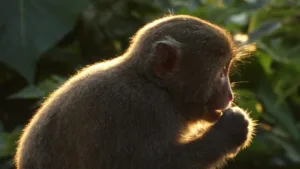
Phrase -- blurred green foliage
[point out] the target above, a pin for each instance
(43, 42)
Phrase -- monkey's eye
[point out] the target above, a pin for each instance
(224, 71)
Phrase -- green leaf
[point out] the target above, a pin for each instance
(265, 29)
(29, 92)
(271, 52)
(280, 111)
(10, 140)
(265, 61)
(41, 90)
(51, 84)
(29, 28)
(247, 100)
(253, 6)
(293, 54)
(291, 151)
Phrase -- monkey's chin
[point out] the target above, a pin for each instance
(212, 116)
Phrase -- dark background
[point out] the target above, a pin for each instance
(43, 42)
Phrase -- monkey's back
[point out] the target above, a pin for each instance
(96, 110)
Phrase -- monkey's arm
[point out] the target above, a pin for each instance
(227, 136)
(208, 151)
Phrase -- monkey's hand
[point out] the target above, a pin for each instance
(237, 127)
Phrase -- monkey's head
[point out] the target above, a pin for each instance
(190, 58)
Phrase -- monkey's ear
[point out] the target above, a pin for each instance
(167, 53)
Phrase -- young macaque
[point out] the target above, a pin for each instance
(135, 111)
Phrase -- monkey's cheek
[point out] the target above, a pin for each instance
(212, 116)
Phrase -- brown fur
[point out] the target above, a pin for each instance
(132, 111)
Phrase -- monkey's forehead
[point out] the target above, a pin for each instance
(181, 27)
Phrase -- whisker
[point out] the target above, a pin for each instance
(233, 84)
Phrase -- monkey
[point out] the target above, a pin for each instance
(134, 111)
